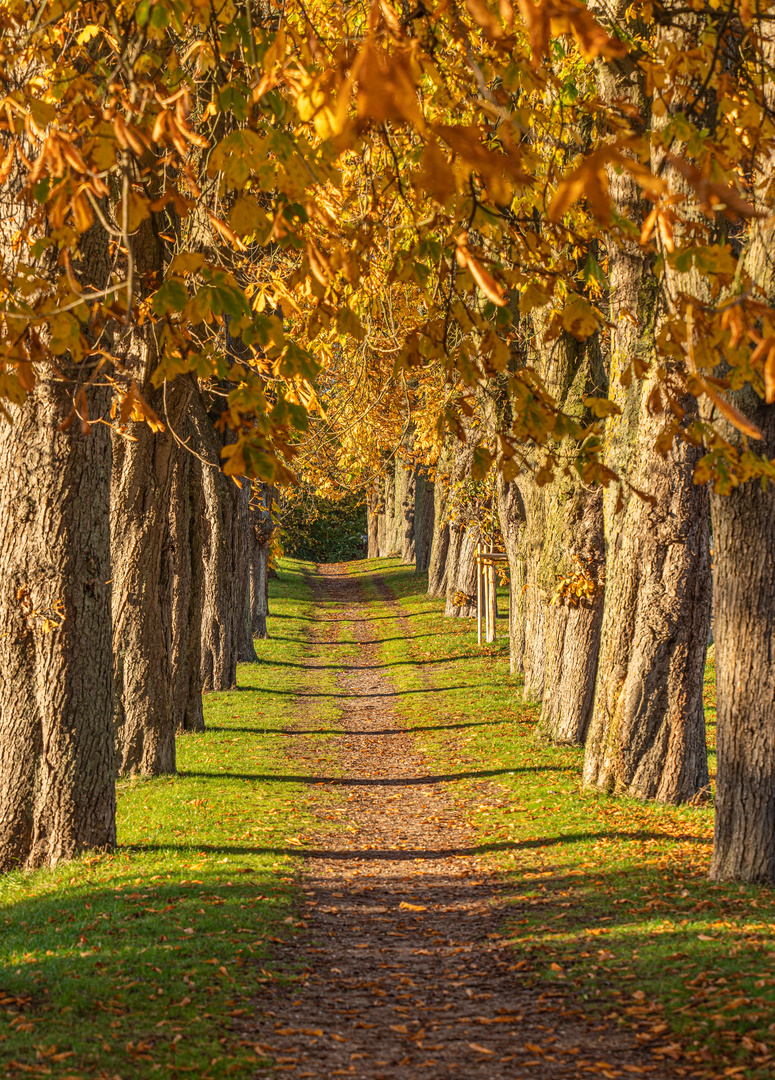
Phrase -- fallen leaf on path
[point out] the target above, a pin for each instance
(412, 907)
(480, 1049)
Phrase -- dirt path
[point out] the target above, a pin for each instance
(410, 976)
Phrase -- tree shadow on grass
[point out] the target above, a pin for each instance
(302, 695)
(404, 854)
(354, 641)
(371, 781)
(361, 667)
(352, 731)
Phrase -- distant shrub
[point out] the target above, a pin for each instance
(323, 530)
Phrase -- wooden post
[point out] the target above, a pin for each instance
(479, 593)
(490, 608)
(510, 610)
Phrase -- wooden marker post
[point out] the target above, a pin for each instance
(479, 593)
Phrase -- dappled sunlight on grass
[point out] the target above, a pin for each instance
(143, 957)
(610, 896)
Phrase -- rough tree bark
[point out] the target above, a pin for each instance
(262, 527)
(186, 576)
(222, 609)
(404, 512)
(243, 550)
(437, 560)
(647, 734)
(390, 512)
(423, 519)
(744, 587)
(744, 627)
(142, 617)
(511, 515)
(461, 575)
(373, 509)
(572, 631)
(57, 760)
(463, 538)
(571, 546)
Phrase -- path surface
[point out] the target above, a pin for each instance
(410, 976)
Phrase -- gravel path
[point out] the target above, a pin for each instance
(409, 975)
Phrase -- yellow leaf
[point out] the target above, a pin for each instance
(733, 415)
(589, 181)
(89, 31)
(138, 209)
(579, 318)
(246, 216)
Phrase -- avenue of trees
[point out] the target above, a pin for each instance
(504, 267)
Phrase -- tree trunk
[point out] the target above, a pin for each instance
(373, 504)
(570, 556)
(744, 585)
(423, 519)
(186, 577)
(390, 513)
(572, 626)
(222, 609)
(382, 534)
(57, 757)
(243, 550)
(405, 487)
(142, 617)
(439, 554)
(461, 575)
(744, 627)
(511, 515)
(536, 590)
(262, 527)
(647, 734)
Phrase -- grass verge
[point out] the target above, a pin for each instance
(142, 961)
(610, 896)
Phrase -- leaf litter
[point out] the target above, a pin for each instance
(408, 973)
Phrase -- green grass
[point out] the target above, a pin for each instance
(609, 895)
(141, 961)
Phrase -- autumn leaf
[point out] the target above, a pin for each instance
(589, 181)
(134, 210)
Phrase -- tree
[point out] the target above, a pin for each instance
(261, 532)
(186, 582)
(57, 755)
